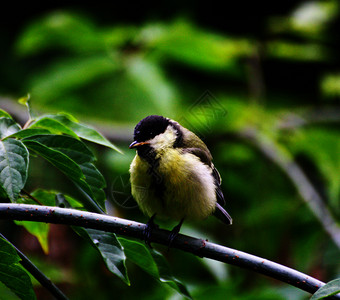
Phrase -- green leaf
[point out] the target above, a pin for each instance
(96, 182)
(54, 126)
(80, 154)
(110, 249)
(83, 131)
(44, 197)
(12, 274)
(73, 148)
(3, 193)
(61, 30)
(38, 229)
(62, 200)
(66, 165)
(330, 289)
(26, 101)
(5, 114)
(8, 127)
(58, 159)
(152, 262)
(25, 133)
(13, 167)
(77, 73)
(166, 276)
(323, 148)
(150, 78)
(183, 42)
(140, 255)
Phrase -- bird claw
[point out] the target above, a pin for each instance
(147, 232)
(151, 225)
(174, 233)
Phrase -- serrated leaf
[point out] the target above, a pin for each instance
(80, 154)
(54, 126)
(69, 167)
(8, 127)
(12, 274)
(13, 167)
(96, 182)
(84, 131)
(330, 289)
(153, 263)
(25, 133)
(110, 249)
(66, 165)
(73, 148)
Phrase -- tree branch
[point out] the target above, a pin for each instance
(37, 274)
(133, 229)
(309, 116)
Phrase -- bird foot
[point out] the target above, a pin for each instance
(147, 232)
(174, 233)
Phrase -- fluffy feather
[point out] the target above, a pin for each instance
(172, 174)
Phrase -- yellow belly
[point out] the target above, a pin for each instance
(188, 187)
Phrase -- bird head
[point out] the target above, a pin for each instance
(155, 133)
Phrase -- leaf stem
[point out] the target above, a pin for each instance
(31, 197)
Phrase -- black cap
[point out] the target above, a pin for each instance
(149, 127)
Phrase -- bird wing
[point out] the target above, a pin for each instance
(201, 154)
(220, 212)
(218, 181)
(205, 157)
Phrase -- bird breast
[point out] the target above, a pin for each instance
(187, 186)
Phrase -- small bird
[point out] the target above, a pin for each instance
(172, 175)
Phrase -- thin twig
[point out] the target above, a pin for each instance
(31, 197)
(310, 116)
(301, 182)
(133, 229)
(37, 274)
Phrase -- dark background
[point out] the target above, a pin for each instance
(100, 63)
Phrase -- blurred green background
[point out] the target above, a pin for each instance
(260, 85)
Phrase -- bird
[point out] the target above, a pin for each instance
(172, 175)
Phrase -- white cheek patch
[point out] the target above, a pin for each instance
(164, 140)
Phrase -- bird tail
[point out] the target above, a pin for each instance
(221, 214)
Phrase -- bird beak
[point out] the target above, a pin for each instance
(136, 144)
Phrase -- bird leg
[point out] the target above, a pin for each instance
(150, 226)
(174, 232)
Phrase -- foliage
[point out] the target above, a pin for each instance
(13, 275)
(73, 158)
(223, 74)
(330, 289)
